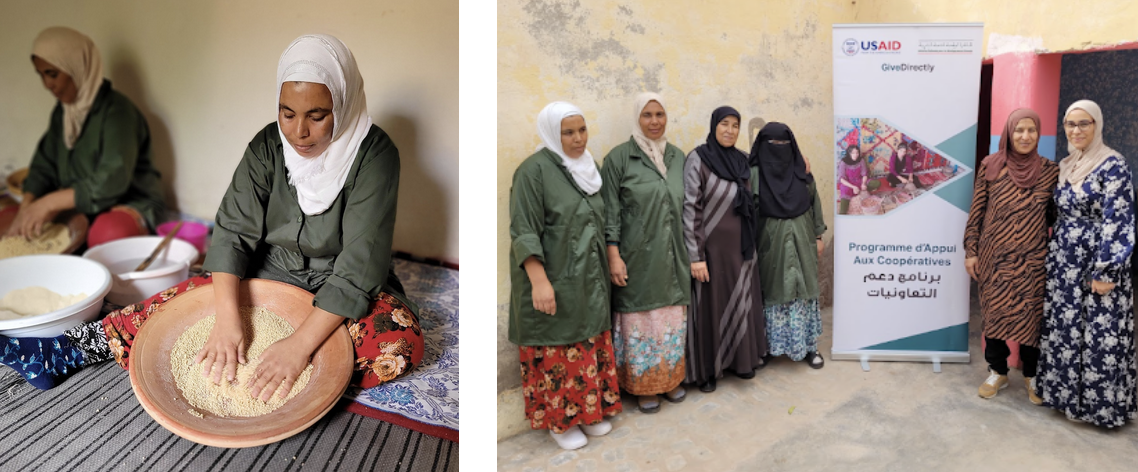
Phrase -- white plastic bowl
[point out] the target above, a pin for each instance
(121, 257)
(65, 275)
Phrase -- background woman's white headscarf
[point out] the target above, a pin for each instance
(583, 168)
(653, 147)
(323, 59)
(1079, 164)
(76, 55)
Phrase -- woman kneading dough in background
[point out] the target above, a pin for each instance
(95, 155)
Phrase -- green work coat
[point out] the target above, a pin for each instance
(644, 214)
(109, 164)
(552, 219)
(788, 251)
(342, 254)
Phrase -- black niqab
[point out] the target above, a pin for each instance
(783, 181)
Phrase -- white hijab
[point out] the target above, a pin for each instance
(1079, 164)
(76, 55)
(583, 168)
(323, 59)
(654, 148)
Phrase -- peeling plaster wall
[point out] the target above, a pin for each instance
(770, 60)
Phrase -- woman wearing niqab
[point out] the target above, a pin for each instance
(790, 229)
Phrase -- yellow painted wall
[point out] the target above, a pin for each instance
(1061, 25)
(769, 59)
(204, 75)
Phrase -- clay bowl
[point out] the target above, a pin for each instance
(153, 382)
(15, 183)
(76, 225)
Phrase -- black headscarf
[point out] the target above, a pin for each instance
(729, 163)
(848, 159)
(783, 181)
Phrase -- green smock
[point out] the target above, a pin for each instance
(644, 213)
(788, 251)
(342, 254)
(109, 164)
(552, 219)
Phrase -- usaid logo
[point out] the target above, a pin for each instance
(881, 45)
(852, 46)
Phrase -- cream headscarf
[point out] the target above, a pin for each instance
(74, 54)
(323, 59)
(1079, 164)
(654, 148)
(583, 168)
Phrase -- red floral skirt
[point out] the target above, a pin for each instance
(388, 340)
(569, 385)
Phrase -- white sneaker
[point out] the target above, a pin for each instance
(599, 429)
(571, 439)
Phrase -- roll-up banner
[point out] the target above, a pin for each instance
(906, 97)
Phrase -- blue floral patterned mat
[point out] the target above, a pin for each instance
(430, 394)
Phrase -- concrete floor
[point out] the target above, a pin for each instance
(898, 416)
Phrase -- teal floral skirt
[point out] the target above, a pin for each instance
(650, 349)
(793, 328)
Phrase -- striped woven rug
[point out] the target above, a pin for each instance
(92, 422)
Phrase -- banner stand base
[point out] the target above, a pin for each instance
(936, 358)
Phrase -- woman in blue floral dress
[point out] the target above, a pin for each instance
(1087, 367)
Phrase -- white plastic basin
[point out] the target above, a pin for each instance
(65, 275)
(121, 257)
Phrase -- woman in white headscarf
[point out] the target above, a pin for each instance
(648, 262)
(312, 204)
(1087, 363)
(559, 296)
(95, 156)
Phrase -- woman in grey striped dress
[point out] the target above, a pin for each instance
(726, 328)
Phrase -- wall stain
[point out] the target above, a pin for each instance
(777, 62)
(599, 64)
(804, 102)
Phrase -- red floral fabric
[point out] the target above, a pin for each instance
(388, 340)
(569, 385)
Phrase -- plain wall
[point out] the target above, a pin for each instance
(769, 59)
(204, 75)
